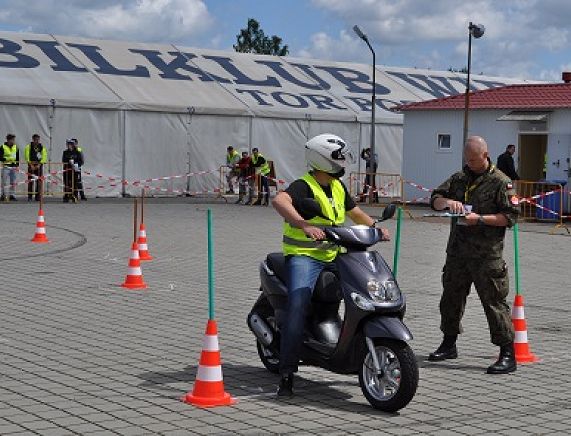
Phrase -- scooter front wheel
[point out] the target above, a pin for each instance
(393, 385)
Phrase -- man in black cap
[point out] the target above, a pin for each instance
(72, 160)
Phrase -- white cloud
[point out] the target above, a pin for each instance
(518, 32)
(145, 20)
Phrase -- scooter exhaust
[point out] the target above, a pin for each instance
(261, 329)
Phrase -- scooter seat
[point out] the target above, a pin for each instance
(276, 262)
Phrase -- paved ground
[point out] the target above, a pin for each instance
(80, 355)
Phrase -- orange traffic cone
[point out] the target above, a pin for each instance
(208, 387)
(522, 351)
(134, 279)
(40, 235)
(142, 244)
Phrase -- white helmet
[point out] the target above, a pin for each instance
(328, 153)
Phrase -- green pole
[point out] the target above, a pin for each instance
(210, 268)
(516, 258)
(397, 243)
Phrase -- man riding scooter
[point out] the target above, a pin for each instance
(307, 254)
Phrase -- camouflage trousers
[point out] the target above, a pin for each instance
(490, 278)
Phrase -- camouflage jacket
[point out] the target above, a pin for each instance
(488, 193)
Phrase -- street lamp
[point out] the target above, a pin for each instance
(361, 35)
(477, 31)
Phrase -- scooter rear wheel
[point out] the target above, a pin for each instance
(394, 386)
(268, 358)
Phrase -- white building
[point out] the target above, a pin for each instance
(534, 117)
(146, 111)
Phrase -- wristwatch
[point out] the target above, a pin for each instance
(481, 221)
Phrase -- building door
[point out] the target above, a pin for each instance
(558, 154)
(531, 156)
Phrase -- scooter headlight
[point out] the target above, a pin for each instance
(383, 292)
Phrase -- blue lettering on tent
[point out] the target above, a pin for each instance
(239, 77)
(350, 78)
(307, 70)
(428, 84)
(323, 102)
(21, 60)
(364, 104)
(169, 70)
(256, 94)
(104, 67)
(61, 63)
(278, 68)
(279, 97)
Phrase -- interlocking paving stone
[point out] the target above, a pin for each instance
(79, 354)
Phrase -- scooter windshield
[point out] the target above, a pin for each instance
(353, 237)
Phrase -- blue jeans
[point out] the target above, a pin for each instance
(9, 173)
(302, 275)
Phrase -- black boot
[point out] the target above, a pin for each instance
(285, 388)
(446, 350)
(506, 363)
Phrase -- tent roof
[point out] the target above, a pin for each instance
(76, 72)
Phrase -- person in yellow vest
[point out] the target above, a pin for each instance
(232, 159)
(10, 162)
(306, 256)
(262, 170)
(36, 156)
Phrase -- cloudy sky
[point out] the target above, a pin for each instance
(524, 38)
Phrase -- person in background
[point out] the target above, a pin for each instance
(506, 163)
(261, 169)
(79, 178)
(36, 156)
(370, 170)
(232, 158)
(10, 161)
(246, 179)
(71, 159)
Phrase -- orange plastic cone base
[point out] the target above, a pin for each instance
(40, 234)
(209, 392)
(40, 238)
(522, 352)
(144, 255)
(224, 400)
(134, 279)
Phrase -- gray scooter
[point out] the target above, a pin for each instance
(355, 324)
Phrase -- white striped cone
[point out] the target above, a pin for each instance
(142, 244)
(522, 352)
(209, 387)
(134, 279)
(40, 235)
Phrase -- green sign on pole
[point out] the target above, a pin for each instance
(516, 258)
(397, 243)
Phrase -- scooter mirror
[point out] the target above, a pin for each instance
(389, 211)
(310, 206)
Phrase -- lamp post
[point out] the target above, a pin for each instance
(477, 31)
(364, 37)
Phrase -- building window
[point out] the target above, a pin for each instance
(444, 142)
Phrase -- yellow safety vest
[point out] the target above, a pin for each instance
(296, 243)
(264, 169)
(231, 158)
(10, 154)
(41, 159)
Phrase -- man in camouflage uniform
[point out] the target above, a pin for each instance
(474, 252)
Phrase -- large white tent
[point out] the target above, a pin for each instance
(146, 111)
